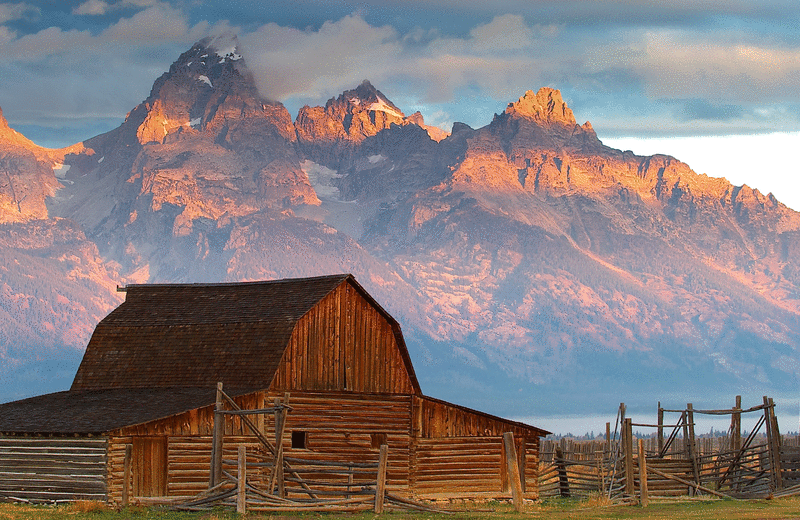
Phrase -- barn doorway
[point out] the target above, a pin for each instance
(149, 466)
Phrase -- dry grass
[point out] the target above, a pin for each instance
(87, 506)
(595, 508)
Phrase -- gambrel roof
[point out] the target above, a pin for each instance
(194, 335)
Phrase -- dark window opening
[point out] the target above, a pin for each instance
(299, 440)
(377, 440)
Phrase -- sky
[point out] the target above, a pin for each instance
(715, 83)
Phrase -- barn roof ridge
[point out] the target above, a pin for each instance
(342, 276)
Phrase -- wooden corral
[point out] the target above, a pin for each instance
(674, 461)
(147, 388)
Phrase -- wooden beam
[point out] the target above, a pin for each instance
(627, 436)
(660, 429)
(512, 466)
(687, 483)
(241, 496)
(215, 475)
(643, 498)
(691, 443)
(561, 467)
(380, 488)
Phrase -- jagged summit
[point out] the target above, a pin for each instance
(545, 106)
(544, 121)
(367, 97)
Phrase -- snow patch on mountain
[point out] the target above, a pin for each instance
(382, 106)
(321, 178)
(60, 170)
(205, 79)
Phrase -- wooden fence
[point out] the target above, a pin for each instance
(676, 462)
(52, 469)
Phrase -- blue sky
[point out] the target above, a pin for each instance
(715, 83)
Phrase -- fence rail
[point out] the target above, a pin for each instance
(676, 462)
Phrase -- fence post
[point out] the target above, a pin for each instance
(660, 428)
(628, 439)
(643, 494)
(380, 488)
(773, 442)
(736, 425)
(241, 497)
(215, 475)
(561, 467)
(692, 445)
(280, 424)
(512, 467)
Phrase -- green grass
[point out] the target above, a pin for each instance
(550, 509)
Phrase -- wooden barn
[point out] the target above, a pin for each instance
(147, 386)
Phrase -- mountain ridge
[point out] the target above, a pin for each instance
(514, 254)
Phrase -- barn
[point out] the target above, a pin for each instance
(142, 403)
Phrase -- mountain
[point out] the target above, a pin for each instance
(524, 258)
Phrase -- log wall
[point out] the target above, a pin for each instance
(459, 452)
(42, 469)
(340, 427)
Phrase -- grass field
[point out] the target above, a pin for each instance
(555, 509)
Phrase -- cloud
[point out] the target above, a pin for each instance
(10, 12)
(91, 7)
(292, 62)
(101, 7)
(81, 75)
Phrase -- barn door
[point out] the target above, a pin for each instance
(149, 466)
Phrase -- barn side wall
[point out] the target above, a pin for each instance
(48, 469)
(459, 452)
(344, 344)
(336, 427)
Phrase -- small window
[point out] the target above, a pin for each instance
(299, 440)
(377, 440)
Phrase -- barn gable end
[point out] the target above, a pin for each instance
(346, 343)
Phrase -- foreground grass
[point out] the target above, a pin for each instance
(553, 509)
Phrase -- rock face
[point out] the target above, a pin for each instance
(204, 148)
(26, 176)
(330, 135)
(524, 256)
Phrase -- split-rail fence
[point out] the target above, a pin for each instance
(673, 461)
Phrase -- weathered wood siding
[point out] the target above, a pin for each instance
(460, 452)
(350, 427)
(50, 469)
(339, 426)
(344, 343)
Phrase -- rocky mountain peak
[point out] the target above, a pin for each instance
(208, 89)
(366, 97)
(545, 106)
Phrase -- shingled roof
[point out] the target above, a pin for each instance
(100, 411)
(195, 335)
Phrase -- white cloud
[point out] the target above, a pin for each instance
(91, 7)
(159, 23)
(722, 67)
(9, 12)
(504, 33)
(291, 62)
(79, 75)
(101, 7)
